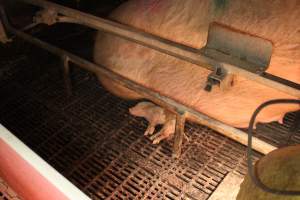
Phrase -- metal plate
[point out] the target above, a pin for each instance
(232, 46)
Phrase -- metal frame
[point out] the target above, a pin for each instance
(68, 15)
(192, 55)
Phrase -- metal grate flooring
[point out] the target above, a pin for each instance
(93, 141)
(6, 193)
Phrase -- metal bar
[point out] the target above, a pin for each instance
(166, 102)
(67, 78)
(179, 135)
(183, 52)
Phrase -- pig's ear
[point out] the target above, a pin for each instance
(145, 104)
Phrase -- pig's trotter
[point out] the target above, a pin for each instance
(150, 129)
(167, 132)
(154, 114)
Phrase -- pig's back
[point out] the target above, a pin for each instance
(187, 22)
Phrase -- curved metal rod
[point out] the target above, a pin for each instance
(253, 173)
(64, 19)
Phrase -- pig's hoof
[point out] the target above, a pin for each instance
(150, 130)
(157, 137)
(167, 132)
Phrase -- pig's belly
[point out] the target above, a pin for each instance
(184, 82)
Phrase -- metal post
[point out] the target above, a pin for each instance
(67, 77)
(179, 134)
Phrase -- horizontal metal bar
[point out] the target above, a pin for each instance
(163, 101)
(180, 51)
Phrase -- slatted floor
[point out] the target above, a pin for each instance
(93, 141)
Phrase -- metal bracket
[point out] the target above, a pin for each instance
(227, 45)
(214, 78)
(221, 78)
(245, 51)
(47, 16)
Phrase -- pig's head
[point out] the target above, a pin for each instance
(140, 109)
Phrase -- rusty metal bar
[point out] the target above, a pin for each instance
(67, 77)
(183, 52)
(179, 134)
(166, 102)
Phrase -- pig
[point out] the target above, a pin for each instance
(155, 115)
(187, 23)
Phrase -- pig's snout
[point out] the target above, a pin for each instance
(134, 111)
(131, 111)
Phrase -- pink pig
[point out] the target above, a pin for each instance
(187, 22)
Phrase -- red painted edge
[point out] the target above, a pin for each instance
(23, 178)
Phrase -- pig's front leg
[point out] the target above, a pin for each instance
(150, 129)
(154, 114)
(166, 132)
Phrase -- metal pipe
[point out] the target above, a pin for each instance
(163, 101)
(180, 51)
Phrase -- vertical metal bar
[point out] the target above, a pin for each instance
(67, 77)
(179, 134)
